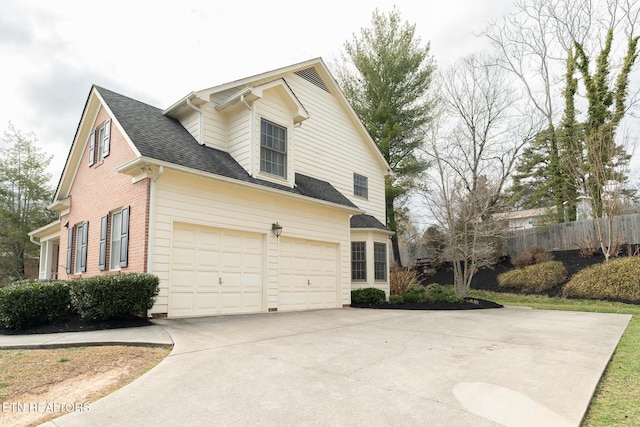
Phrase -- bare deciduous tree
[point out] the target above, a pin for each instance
(537, 41)
(479, 133)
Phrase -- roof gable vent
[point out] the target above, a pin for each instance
(311, 75)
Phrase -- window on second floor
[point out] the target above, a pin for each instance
(360, 186)
(273, 149)
(99, 149)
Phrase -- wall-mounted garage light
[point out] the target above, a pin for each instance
(277, 229)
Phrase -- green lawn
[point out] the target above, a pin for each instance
(616, 401)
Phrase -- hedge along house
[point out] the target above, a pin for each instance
(263, 194)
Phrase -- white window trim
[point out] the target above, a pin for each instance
(271, 176)
(77, 257)
(114, 237)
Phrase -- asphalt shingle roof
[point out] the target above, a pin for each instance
(163, 138)
(367, 221)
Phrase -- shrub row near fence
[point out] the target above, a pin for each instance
(536, 278)
(618, 280)
(28, 304)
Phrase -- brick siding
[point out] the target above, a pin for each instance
(99, 190)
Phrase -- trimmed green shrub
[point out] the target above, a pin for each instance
(368, 296)
(114, 296)
(534, 278)
(414, 293)
(31, 303)
(435, 293)
(618, 279)
(396, 299)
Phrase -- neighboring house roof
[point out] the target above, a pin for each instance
(367, 221)
(158, 137)
(523, 214)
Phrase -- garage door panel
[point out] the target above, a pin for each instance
(206, 258)
(206, 281)
(183, 281)
(215, 271)
(183, 257)
(308, 276)
(206, 302)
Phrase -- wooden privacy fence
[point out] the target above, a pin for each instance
(572, 235)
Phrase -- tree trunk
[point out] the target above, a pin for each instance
(393, 226)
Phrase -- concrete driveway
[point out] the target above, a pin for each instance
(359, 367)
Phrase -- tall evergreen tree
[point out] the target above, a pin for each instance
(386, 77)
(532, 187)
(24, 195)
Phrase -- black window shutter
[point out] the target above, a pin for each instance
(102, 259)
(69, 249)
(107, 138)
(83, 249)
(124, 237)
(92, 148)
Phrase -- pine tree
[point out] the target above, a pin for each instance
(24, 195)
(386, 79)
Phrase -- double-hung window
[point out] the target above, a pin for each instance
(358, 261)
(380, 261)
(81, 237)
(360, 186)
(114, 242)
(273, 148)
(99, 149)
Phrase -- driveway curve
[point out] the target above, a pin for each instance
(360, 367)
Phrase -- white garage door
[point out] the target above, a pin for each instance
(308, 275)
(215, 271)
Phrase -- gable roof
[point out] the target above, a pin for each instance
(164, 139)
(238, 86)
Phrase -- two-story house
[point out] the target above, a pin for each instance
(262, 194)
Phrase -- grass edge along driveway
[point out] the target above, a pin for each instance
(616, 400)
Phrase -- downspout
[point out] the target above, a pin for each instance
(152, 215)
(201, 127)
(251, 125)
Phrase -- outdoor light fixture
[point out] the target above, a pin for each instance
(277, 229)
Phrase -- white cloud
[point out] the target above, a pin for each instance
(158, 51)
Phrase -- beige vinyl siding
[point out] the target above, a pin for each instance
(330, 147)
(239, 136)
(191, 199)
(274, 109)
(215, 127)
(191, 122)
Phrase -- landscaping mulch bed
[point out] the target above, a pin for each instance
(487, 278)
(77, 324)
(468, 304)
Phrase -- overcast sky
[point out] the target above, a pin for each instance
(158, 51)
(51, 52)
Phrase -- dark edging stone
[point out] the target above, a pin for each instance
(77, 324)
(468, 304)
